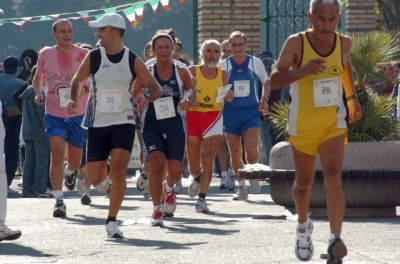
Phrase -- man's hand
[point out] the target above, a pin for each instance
(229, 96)
(39, 99)
(263, 107)
(71, 107)
(314, 66)
(355, 110)
(141, 101)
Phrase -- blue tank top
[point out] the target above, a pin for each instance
(170, 88)
(243, 72)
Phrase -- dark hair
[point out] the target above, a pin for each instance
(32, 54)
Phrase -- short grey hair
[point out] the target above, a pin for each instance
(204, 44)
(314, 3)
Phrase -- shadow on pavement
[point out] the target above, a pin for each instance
(188, 229)
(158, 244)
(13, 249)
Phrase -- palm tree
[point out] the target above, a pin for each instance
(370, 52)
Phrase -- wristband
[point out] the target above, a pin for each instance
(351, 97)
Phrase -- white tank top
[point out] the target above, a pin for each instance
(111, 101)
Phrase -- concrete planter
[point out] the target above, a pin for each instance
(371, 179)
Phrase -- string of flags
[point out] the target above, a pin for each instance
(132, 12)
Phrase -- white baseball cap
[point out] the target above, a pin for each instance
(112, 20)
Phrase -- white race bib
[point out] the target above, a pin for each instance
(164, 108)
(241, 88)
(65, 96)
(326, 92)
(111, 101)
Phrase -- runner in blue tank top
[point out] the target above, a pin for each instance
(241, 116)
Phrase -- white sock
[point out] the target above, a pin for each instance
(58, 194)
(167, 188)
(68, 171)
(242, 183)
(224, 174)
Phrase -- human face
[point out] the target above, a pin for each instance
(211, 55)
(105, 36)
(63, 34)
(163, 49)
(324, 19)
(177, 52)
(226, 51)
(238, 47)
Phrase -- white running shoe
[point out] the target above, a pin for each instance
(255, 186)
(230, 183)
(241, 194)
(142, 182)
(201, 206)
(194, 188)
(102, 187)
(304, 249)
(8, 234)
(157, 217)
(81, 186)
(113, 231)
(178, 187)
(169, 200)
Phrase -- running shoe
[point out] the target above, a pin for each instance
(85, 199)
(113, 231)
(337, 250)
(178, 187)
(102, 187)
(201, 206)
(241, 194)
(70, 180)
(141, 182)
(255, 186)
(169, 200)
(304, 249)
(157, 217)
(194, 187)
(81, 186)
(8, 234)
(60, 210)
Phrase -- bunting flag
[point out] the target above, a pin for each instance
(154, 5)
(85, 16)
(138, 6)
(110, 10)
(130, 14)
(165, 3)
(131, 11)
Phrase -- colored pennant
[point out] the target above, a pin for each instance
(130, 14)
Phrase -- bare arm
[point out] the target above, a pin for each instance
(79, 78)
(286, 70)
(145, 79)
(187, 80)
(77, 81)
(355, 110)
(37, 86)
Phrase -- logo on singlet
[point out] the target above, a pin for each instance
(105, 66)
(334, 70)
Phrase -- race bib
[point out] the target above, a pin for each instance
(326, 92)
(111, 101)
(241, 88)
(164, 108)
(65, 96)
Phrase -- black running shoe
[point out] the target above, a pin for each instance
(60, 210)
(337, 250)
(85, 199)
(70, 180)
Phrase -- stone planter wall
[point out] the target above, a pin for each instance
(371, 179)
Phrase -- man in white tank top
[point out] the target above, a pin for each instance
(109, 116)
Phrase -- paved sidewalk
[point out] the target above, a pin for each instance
(235, 232)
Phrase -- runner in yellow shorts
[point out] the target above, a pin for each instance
(316, 64)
